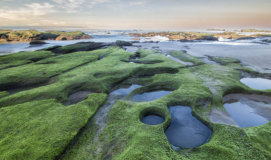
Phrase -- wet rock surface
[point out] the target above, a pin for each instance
(222, 117)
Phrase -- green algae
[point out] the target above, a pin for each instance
(224, 60)
(49, 128)
(17, 59)
(81, 46)
(29, 35)
(3, 94)
(44, 128)
(186, 57)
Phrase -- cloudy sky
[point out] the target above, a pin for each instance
(137, 14)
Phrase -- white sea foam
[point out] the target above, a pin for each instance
(221, 39)
(159, 38)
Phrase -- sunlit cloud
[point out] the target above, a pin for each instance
(29, 11)
(33, 14)
(134, 3)
(143, 14)
(69, 5)
(72, 6)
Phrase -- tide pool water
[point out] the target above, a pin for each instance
(244, 115)
(185, 130)
(257, 83)
(150, 96)
(152, 119)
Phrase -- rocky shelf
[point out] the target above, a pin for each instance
(34, 35)
(88, 101)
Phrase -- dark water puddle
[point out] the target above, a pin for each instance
(77, 97)
(257, 83)
(150, 96)
(186, 131)
(152, 119)
(248, 110)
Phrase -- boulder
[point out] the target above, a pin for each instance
(123, 43)
(35, 42)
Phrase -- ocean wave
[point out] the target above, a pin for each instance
(221, 39)
(156, 39)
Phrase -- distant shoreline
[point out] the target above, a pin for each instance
(191, 36)
(34, 35)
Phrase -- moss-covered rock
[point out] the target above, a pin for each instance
(35, 125)
(195, 36)
(33, 35)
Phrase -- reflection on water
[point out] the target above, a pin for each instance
(152, 119)
(186, 131)
(150, 96)
(257, 83)
(248, 110)
(125, 91)
(254, 54)
(244, 115)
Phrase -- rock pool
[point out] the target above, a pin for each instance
(248, 110)
(186, 131)
(150, 96)
(257, 83)
(152, 119)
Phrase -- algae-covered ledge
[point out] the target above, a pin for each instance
(35, 36)
(36, 125)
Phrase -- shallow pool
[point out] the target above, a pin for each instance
(248, 110)
(257, 83)
(150, 96)
(185, 130)
(152, 119)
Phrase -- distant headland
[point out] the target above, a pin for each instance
(33, 35)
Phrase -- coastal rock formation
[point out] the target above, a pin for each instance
(31, 35)
(195, 36)
(37, 42)
(98, 123)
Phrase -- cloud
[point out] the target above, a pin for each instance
(33, 14)
(69, 5)
(74, 5)
(136, 3)
(27, 12)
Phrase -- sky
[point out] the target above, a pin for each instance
(137, 14)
